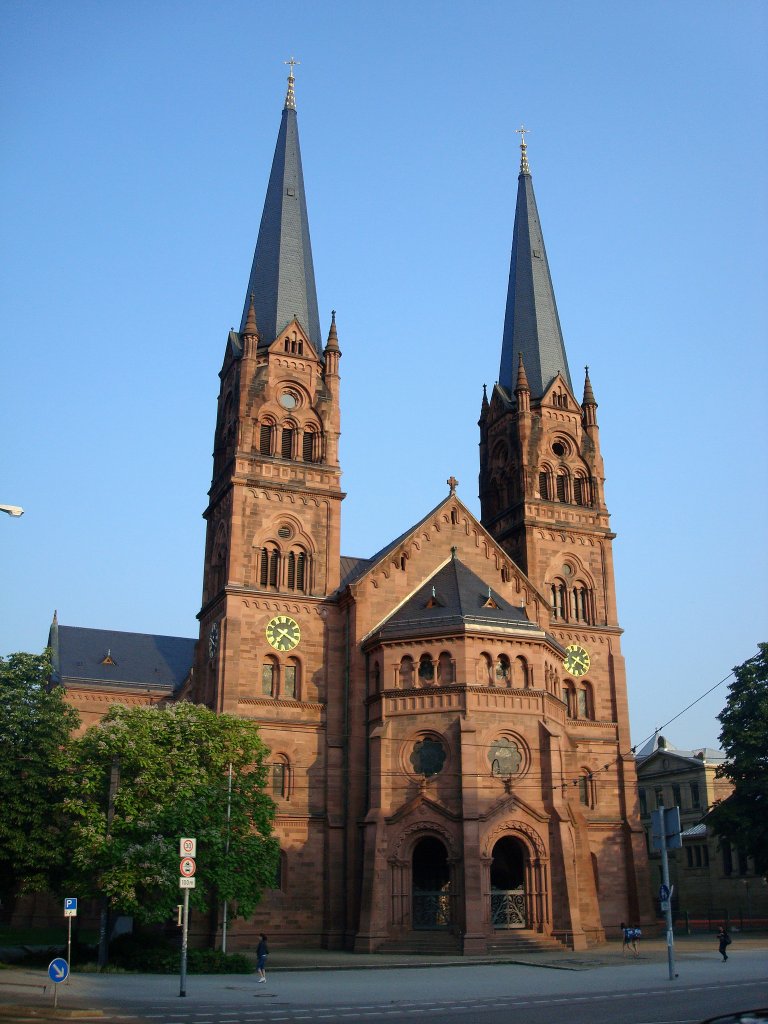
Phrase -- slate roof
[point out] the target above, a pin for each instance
(139, 660)
(531, 322)
(454, 598)
(660, 744)
(282, 276)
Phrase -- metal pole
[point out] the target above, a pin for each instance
(184, 932)
(69, 946)
(668, 901)
(226, 855)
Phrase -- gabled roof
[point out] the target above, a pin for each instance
(660, 746)
(107, 657)
(531, 322)
(455, 598)
(282, 278)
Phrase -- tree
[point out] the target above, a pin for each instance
(35, 727)
(742, 819)
(146, 776)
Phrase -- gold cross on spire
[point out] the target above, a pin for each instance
(290, 99)
(522, 131)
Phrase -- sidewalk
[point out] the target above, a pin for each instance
(26, 994)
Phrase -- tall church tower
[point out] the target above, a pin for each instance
(272, 543)
(542, 498)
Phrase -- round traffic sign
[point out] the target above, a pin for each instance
(188, 847)
(187, 867)
(58, 969)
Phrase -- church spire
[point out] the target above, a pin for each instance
(282, 275)
(531, 324)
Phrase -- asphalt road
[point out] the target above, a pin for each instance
(636, 992)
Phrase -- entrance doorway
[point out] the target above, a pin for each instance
(431, 891)
(508, 884)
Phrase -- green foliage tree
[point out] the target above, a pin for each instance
(742, 819)
(143, 778)
(35, 727)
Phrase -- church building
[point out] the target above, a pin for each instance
(447, 719)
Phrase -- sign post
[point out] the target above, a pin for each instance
(58, 971)
(665, 829)
(187, 868)
(70, 911)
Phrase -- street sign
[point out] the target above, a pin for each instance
(187, 847)
(186, 883)
(666, 822)
(70, 906)
(187, 867)
(58, 969)
(663, 893)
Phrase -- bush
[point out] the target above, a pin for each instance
(155, 954)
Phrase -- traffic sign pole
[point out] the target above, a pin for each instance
(69, 940)
(668, 907)
(184, 933)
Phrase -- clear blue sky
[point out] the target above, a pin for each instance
(137, 140)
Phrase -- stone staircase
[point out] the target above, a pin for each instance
(519, 940)
(424, 944)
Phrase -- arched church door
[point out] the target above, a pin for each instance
(508, 884)
(431, 885)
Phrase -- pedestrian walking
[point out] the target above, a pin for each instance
(723, 942)
(262, 952)
(629, 937)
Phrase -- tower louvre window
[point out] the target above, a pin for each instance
(561, 488)
(286, 444)
(308, 446)
(274, 568)
(544, 486)
(579, 490)
(291, 573)
(264, 567)
(265, 439)
(301, 570)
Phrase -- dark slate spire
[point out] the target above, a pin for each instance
(531, 324)
(282, 276)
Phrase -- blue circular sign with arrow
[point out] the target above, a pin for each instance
(58, 969)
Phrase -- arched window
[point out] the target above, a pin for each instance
(521, 676)
(581, 603)
(308, 446)
(292, 679)
(269, 566)
(562, 486)
(454, 517)
(281, 778)
(266, 435)
(585, 703)
(270, 673)
(559, 599)
(274, 567)
(286, 443)
(501, 671)
(568, 700)
(426, 669)
(581, 490)
(406, 672)
(445, 668)
(484, 666)
(544, 485)
(586, 788)
(281, 872)
(376, 675)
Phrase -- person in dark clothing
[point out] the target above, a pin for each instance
(723, 942)
(262, 952)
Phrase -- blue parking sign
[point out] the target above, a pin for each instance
(70, 903)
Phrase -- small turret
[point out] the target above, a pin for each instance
(589, 405)
(522, 389)
(332, 350)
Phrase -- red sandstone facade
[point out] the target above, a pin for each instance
(438, 771)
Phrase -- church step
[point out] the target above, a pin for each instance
(424, 943)
(522, 941)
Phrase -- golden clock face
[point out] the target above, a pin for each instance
(283, 633)
(576, 660)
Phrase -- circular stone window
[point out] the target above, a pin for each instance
(289, 400)
(284, 532)
(505, 758)
(567, 570)
(428, 757)
(559, 449)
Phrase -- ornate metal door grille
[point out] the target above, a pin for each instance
(431, 909)
(508, 908)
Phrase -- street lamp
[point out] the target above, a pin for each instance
(12, 510)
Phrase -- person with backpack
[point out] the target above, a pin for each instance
(723, 942)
